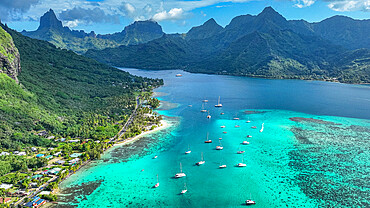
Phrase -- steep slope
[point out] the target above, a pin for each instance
(9, 56)
(66, 93)
(136, 33)
(208, 29)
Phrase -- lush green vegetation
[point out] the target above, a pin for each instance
(64, 94)
(266, 45)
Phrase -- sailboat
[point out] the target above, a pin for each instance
(222, 165)
(208, 116)
(189, 151)
(249, 201)
(201, 162)
(203, 110)
(245, 142)
(249, 136)
(185, 189)
(181, 174)
(240, 151)
(262, 128)
(208, 140)
(220, 147)
(157, 184)
(218, 103)
(248, 121)
(205, 101)
(242, 164)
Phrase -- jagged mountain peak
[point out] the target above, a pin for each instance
(50, 20)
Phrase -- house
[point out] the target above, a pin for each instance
(40, 155)
(45, 172)
(57, 154)
(22, 154)
(62, 139)
(37, 176)
(7, 200)
(74, 161)
(36, 202)
(4, 153)
(75, 155)
(60, 162)
(51, 137)
(6, 186)
(34, 149)
(16, 152)
(44, 193)
(33, 184)
(42, 133)
(49, 157)
(73, 140)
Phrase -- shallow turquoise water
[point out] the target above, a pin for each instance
(319, 161)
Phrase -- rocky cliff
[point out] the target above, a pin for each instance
(10, 62)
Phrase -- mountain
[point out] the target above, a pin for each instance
(265, 45)
(136, 33)
(52, 30)
(64, 94)
(9, 56)
(208, 29)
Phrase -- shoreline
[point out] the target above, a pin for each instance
(164, 124)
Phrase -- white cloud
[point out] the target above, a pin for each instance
(350, 5)
(173, 14)
(304, 3)
(129, 8)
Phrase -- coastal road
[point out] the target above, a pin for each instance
(129, 121)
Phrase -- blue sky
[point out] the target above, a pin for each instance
(175, 16)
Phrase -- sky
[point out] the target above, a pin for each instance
(175, 16)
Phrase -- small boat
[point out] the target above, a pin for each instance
(190, 105)
(203, 110)
(222, 166)
(223, 126)
(208, 116)
(262, 128)
(205, 101)
(222, 113)
(248, 121)
(225, 132)
(242, 164)
(155, 157)
(249, 136)
(254, 127)
(157, 184)
(218, 103)
(178, 75)
(220, 147)
(184, 190)
(189, 151)
(208, 140)
(245, 142)
(237, 126)
(201, 162)
(235, 118)
(181, 174)
(240, 152)
(220, 138)
(249, 201)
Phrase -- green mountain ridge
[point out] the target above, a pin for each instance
(265, 45)
(63, 93)
(52, 30)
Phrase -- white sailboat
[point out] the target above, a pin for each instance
(185, 189)
(203, 110)
(208, 116)
(242, 164)
(218, 103)
(245, 143)
(181, 174)
(157, 184)
(250, 201)
(262, 128)
(220, 147)
(240, 151)
(189, 151)
(208, 140)
(201, 162)
(248, 121)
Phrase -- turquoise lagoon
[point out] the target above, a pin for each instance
(314, 150)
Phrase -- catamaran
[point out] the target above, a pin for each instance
(201, 162)
(220, 147)
(181, 174)
(157, 184)
(189, 151)
(241, 164)
(262, 128)
(203, 110)
(184, 190)
(218, 103)
(208, 140)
